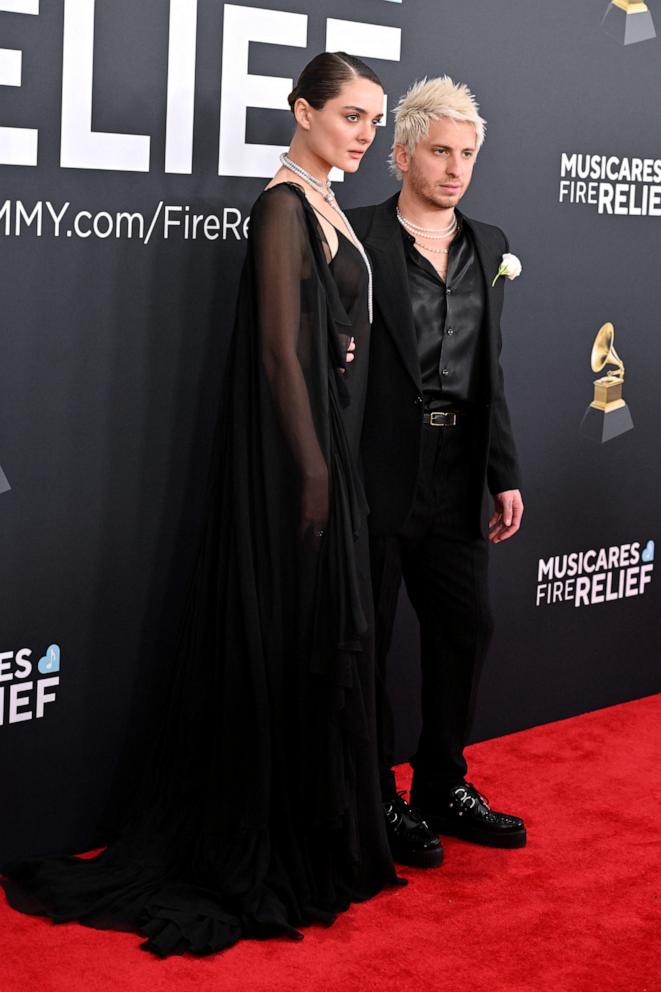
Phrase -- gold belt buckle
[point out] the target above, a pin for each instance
(443, 418)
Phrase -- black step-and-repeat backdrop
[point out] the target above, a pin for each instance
(133, 140)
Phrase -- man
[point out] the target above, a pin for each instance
(436, 430)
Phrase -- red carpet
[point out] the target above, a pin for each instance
(577, 910)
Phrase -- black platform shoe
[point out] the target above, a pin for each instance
(411, 841)
(467, 815)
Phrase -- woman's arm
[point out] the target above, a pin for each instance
(282, 258)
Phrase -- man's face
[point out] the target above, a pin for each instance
(440, 169)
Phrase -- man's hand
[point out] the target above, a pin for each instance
(506, 517)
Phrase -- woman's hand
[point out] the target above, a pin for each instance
(350, 355)
(314, 508)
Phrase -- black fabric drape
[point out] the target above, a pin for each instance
(255, 807)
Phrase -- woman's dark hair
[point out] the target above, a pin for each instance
(323, 78)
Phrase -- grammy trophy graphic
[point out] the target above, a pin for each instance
(628, 21)
(608, 415)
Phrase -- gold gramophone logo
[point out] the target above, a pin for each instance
(628, 21)
(608, 415)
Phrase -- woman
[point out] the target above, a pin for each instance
(257, 807)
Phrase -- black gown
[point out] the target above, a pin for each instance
(256, 806)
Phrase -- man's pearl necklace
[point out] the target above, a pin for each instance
(433, 234)
(437, 251)
(324, 189)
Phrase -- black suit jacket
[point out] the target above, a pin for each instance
(393, 417)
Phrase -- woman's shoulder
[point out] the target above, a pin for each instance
(282, 199)
(281, 216)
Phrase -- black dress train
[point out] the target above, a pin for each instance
(257, 808)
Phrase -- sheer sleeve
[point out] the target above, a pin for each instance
(281, 255)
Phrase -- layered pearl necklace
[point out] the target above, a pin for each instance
(324, 189)
(429, 233)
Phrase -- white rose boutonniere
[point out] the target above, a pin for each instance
(510, 267)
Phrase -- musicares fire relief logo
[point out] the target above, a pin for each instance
(601, 575)
(611, 184)
(27, 686)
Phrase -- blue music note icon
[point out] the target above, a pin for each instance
(51, 660)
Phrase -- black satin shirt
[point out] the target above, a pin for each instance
(448, 319)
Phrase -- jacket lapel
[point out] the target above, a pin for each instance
(386, 251)
(489, 257)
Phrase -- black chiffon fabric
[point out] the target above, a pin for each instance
(256, 806)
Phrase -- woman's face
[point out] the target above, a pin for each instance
(342, 131)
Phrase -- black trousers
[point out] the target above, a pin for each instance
(442, 556)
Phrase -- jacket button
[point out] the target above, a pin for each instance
(418, 400)
(445, 371)
(450, 330)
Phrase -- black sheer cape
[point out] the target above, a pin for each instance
(256, 807)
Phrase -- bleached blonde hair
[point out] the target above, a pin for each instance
(432, 100)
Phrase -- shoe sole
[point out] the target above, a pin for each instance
(517, 838)
(421, 859)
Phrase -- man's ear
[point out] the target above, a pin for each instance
(302, 113)
(401, 157)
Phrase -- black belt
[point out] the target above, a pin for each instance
(441, 418)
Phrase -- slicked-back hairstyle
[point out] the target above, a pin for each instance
(432, 100)
(324, 76)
